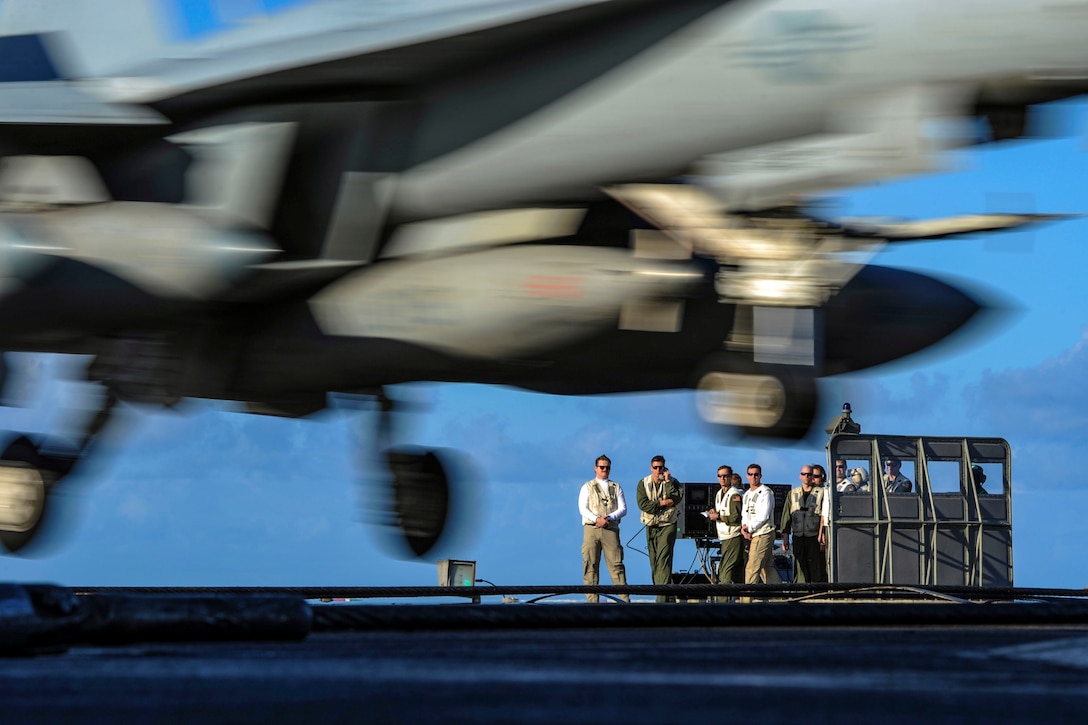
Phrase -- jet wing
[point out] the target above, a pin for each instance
(783, 257)
(696, 220)
(357, 46)
(950, 227)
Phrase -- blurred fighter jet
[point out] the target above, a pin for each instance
(271, 201)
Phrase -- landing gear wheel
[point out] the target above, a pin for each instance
(27, 475)
(770, 403)
(23, 494)
(796, 408)
(421, 497)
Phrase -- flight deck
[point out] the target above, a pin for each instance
(893, 654)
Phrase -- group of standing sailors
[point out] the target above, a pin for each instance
(744, 520)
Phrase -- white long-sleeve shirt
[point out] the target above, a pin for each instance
(758, 510)
(588, 517)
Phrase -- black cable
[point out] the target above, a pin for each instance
(628, 544)
(491, 617)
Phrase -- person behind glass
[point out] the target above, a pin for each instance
(658, 495)
(859, 480)
(726, 515)
(757, 527)
(894, 481)
(843, 482)
(602, 505)
(979, 477)
(801, 517)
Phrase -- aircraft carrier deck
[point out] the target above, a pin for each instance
(825, 653)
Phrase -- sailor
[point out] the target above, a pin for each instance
(858, 481)
(819, 479)
(801, 517)
(840, 475)
(979, 477)
(757, 526)
(658, 495)
(602, 505)
(894, 481)
(726, 514)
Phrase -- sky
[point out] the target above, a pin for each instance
(206, 496)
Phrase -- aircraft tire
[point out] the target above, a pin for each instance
(766, 401)
(32, 490)
(421, 497)
(798, 406)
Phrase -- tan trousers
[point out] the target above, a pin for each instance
(594, 541)
(760, 569)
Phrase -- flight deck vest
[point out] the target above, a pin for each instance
(603, 504)
(655, 492)
(728, 505)
(751, 498)
(805, 521)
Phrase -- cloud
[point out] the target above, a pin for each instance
(134, 509)
(1047, 402)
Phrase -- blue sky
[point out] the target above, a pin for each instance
(206, 496)
(193, 19)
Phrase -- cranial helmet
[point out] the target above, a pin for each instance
(859, 475)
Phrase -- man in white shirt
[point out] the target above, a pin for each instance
(841, 477)
(757, 527)
(602, 505)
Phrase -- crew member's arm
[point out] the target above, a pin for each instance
(670, 493)
(621, 506)
(825, 516)
(675, 491)
(643, 501)
(786, 524)
(588, 517)
(733, 510)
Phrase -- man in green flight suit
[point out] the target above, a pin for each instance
(658, 495)
(726, 516)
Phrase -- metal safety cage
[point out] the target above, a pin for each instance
(950, 526)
